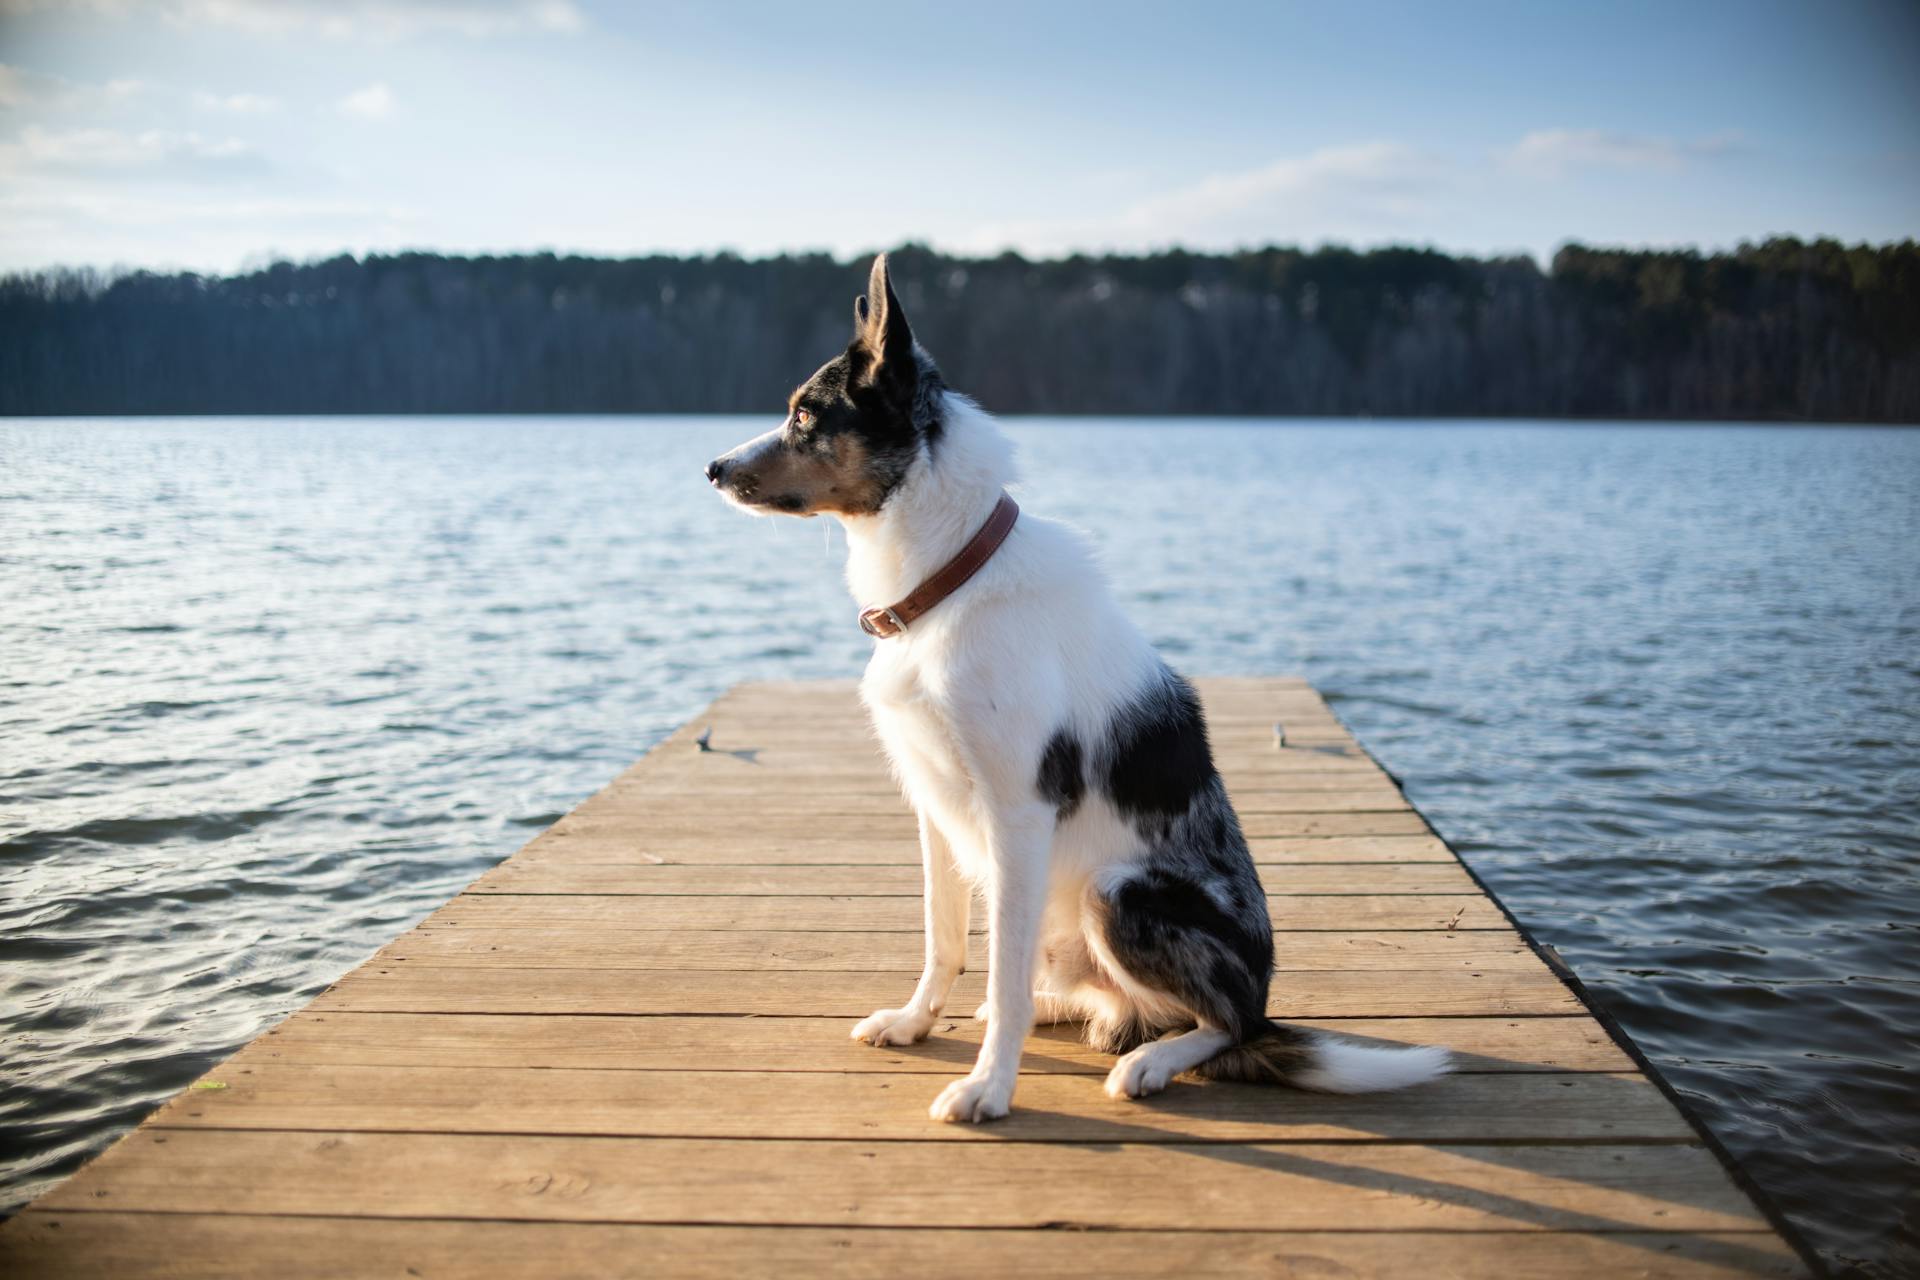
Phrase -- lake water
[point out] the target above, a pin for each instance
(270, 690)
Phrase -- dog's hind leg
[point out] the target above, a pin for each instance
(1170, 943)
(1178, 957)
(948, 903)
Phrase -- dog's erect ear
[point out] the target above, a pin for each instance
(880, 330)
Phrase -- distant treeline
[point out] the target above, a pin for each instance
(1781, 330)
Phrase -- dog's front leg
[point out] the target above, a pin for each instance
(1019, 848)
(948, 904)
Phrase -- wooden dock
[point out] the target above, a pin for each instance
(624, 1051)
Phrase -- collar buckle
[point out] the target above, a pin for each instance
(881, 623)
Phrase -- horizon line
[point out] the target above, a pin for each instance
(269, 259)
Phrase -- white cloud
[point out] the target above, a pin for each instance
(1372, 170)
(112, 153)
(384, 19)
(130, 211)
(22, 88)
(374, 102)
(1364, 190)
(239, 104)
(1553, 152)
(15, 90)
(370, 19)
(113, 225)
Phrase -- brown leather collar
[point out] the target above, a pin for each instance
(891, 621)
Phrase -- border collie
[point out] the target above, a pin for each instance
(1056, 763)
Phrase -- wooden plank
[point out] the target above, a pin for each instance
(830, 733)
(137, 1246)
(747, 825)
(631, 1041)
(1242, 770)
(1140, 1186)
(827, 914)
(1259, 735)
(846, 690)
(640, 806)
(1304, 784)
(401, 988)
(729, 727)
(846, 725)
(897, 952)
(588, 843)
(826, 765)
(823, 1044)
(516, 876)
(1263, 686)
(1580, 1107)
(881, 794)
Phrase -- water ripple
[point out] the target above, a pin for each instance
(271, 690)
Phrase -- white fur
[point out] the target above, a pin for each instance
(1346, 1067)
(1151, 1067)
(964, 702)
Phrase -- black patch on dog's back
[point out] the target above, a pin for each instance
(1063, 779)
(1159, 759)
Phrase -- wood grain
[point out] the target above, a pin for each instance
(625, 1050)
(616, 843)
(1574, 1107)
(768, 1043)
(762, 951)
(1141, 1186)
(818, 914)
(399, 987)
(138, 1246)
(535, 876)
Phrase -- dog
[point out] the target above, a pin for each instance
(1055, 762)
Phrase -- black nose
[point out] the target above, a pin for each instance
(716, 470)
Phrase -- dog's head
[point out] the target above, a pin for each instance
(853, 430)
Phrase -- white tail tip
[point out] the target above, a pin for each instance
(1346, 1067)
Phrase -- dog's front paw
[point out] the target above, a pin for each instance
(1137, 1075)
(894, 1026)
(972, 1100)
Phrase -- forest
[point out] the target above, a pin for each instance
(1783, 330)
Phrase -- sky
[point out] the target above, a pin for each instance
(217, 134)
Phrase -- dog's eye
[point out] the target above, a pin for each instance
(802, 418)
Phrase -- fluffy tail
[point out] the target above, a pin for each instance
(1304, 1059)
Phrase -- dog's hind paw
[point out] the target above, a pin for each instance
(894, 1026)
(972, 1100)
(1138, 1074)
